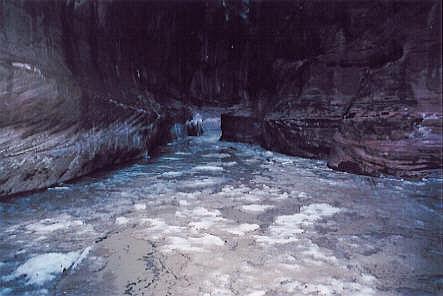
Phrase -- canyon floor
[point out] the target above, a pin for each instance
(207, 217)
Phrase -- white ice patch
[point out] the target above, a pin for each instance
(45, 267)
(170, 158)
(56, 188)
(257, 293)
(268, 154)
(287, 228)
(180, 244)
(314, 255)
(303, 195)
(229, 189)
(242, 229)
(82, 257)
(243, 193)
(206, 222)
(121, 220)
(217, 155)
(172, 174)
(252, 160)
(285, 160)
(318, 211)
(54, 224)
(183, 203)
(207, 182)
(182, 153)
(207, 240)
(430, 116)
(193, 244)
(328, 287)
(217, 284)
(229, 163)
(202, 218)
(157, 229)
(207, 168)
(256, 208)
(202, 212)
(140, 206)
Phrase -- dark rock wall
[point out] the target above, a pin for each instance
(357, 83)
(89, 83)
(393, 125)
(82, 87)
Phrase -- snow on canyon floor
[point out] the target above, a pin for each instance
(217, 218)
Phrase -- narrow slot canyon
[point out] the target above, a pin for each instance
(243, 147)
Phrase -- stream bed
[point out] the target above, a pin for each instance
(208, 217)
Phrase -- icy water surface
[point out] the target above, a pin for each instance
(220, 218)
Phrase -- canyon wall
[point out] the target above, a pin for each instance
(85, 84)
(356, 83)
(81, 88)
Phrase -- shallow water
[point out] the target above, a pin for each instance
(218, 218)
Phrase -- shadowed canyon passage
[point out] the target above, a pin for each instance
(348, 86)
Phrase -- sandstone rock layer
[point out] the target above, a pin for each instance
(367, 96)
